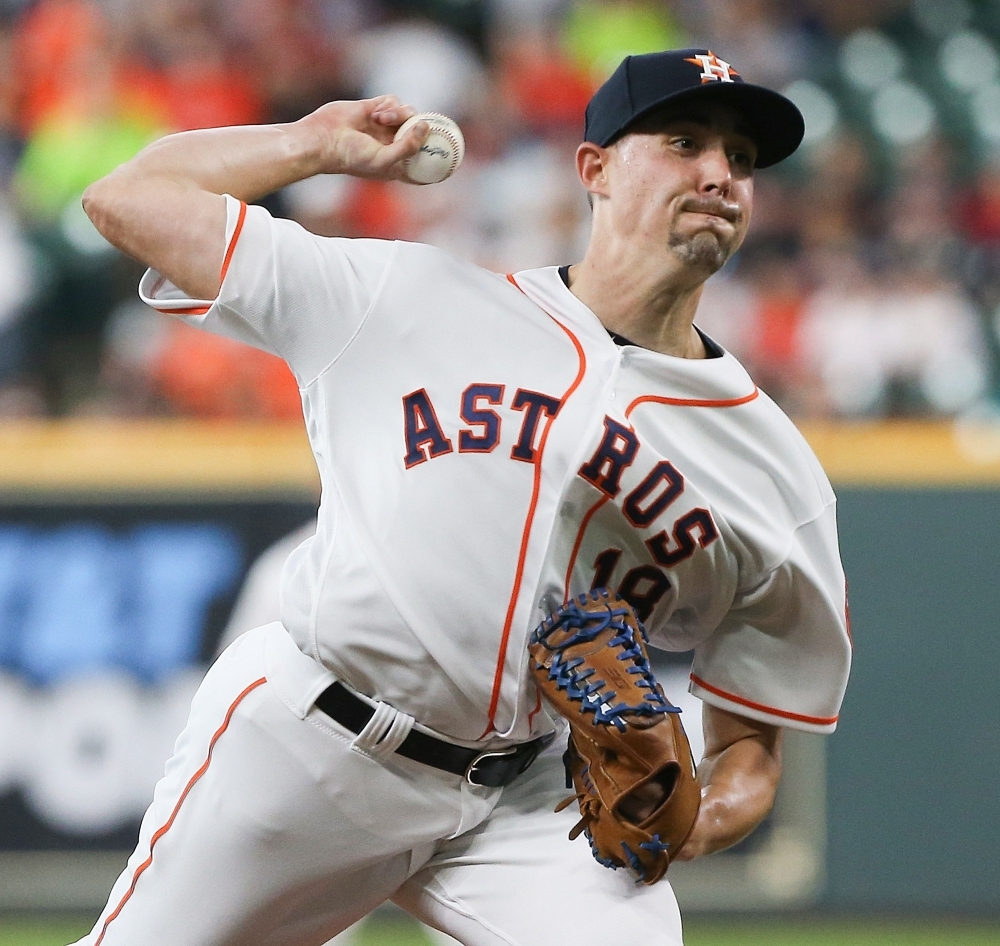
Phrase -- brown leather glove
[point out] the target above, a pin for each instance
(589, 661)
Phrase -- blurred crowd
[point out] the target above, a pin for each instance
(869, 287)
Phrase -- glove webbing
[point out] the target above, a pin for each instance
(587, 625)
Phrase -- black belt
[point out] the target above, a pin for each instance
(493, 768)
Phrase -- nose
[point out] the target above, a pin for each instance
(716, 172)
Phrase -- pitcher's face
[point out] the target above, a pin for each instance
(684, 180)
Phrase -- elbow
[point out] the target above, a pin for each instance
(98, 199)
(108, 204)
(90, 200)
(95, 206)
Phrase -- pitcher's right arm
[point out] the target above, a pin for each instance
(165, 206)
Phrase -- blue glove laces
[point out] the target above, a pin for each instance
(594, 696)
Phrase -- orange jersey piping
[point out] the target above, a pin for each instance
(784, 714)
(173, 815)
(529, 519)
(227, 259)
(534, 712)
(674, 401)
(194, 310)
(579, 541)
(692, 401)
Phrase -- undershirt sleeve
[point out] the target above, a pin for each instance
(284, 290)
(782, 654)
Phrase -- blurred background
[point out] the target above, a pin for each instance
(145, 467)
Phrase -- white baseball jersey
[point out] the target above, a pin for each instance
(486, 450)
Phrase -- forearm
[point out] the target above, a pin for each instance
(176, 182)
(245, 161)
(739, 774)
(164, 207)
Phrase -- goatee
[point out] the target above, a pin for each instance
(703, 252)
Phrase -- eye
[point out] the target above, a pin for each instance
(742, 159)
(684, 143)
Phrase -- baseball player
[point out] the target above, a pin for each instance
(489, 446)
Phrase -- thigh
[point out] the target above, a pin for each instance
(517, 880)
(269, 828)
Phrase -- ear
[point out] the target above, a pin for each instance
(592, 168)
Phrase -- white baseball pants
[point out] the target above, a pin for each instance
(275, 826)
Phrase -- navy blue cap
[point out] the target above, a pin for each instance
(644, 83)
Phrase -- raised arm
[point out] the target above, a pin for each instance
(165, 208)
(739, 776)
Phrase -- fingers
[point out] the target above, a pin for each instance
(383, 102)
(389, 111)
(405, 147)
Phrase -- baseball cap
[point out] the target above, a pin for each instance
(643, 83)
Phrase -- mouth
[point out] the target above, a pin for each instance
(711, 219)
(714, 209)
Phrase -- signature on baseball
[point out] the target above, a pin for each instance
(440, 154)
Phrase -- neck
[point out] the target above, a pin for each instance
(653, 307)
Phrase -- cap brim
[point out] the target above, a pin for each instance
(775, 124)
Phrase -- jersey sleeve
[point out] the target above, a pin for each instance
(284, 290)
(782, 654)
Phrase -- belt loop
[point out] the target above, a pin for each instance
(384, 733)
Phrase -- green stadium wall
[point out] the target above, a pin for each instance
(913, 770)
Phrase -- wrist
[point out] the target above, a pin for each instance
(305, 148)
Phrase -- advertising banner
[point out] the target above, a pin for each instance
(127, 554)
(109, 615)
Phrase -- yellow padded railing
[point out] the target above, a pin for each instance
(164, 456)
(155, 456)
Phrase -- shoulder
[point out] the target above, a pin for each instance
(255, 232)
(426, 261)
(792, 463)
(288, 239)
(418, 268)
(423, 273)
(772, 448)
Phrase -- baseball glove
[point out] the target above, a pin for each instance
(626, 745)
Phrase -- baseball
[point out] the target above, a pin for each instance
(439, 155)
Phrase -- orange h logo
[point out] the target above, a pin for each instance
(713, 69)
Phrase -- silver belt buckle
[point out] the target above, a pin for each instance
(493, 754)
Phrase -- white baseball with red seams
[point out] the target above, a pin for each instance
(440, 154)
(486, 450)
